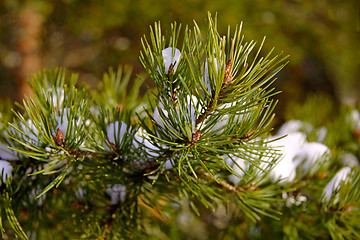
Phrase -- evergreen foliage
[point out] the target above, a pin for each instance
(195, 157)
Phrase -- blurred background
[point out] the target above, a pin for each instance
(322, 38)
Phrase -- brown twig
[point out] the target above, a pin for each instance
(226, 81)
(227, 185)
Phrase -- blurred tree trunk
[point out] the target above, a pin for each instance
(28, 45)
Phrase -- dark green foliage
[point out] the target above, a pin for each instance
(109, 164)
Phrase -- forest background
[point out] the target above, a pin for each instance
(88, 37)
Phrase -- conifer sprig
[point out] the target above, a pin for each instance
(97, 153)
